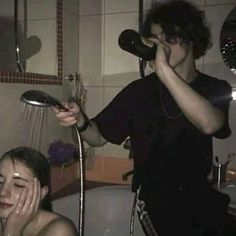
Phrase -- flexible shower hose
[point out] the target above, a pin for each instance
(80, 152)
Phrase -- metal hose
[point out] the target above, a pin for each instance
(80, 153)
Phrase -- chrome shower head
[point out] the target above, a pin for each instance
(41, 99)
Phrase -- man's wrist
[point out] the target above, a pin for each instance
(84, 126)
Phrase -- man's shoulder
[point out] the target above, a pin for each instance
(211, 80)
(142, 82)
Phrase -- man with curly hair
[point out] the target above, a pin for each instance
(171, 117)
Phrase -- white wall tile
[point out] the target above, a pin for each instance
(90, 49)
(110, 93)
(95, 100)
(199, 62)
(221, 71)
(122, 79)
(216, 16)
(217, 2)
(71, 6)
(90, 7)
(38, 9)
(70, 43)
(197, 3)
(99, 151)
(117, 60)
(148, 3)
(7, 8)
(112, 150)
(114, 6)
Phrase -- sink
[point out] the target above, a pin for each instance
(230, 189)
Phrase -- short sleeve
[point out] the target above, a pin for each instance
(221, 99)
(113, 121)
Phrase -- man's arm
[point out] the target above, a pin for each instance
(90, 133)
(198, 110)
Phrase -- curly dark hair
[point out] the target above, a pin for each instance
(39, 166)
(180, 19)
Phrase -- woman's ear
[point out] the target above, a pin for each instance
(44, 191)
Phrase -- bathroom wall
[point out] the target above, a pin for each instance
(106, 69)
(44, 62)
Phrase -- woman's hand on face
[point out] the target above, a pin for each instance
(25, 209)
(68, 118)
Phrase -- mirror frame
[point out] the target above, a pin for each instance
(8, 76)
(227, 42)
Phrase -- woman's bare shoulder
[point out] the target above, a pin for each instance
(60, 226)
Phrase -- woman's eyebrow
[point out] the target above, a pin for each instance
(16, 177)
(20, 178)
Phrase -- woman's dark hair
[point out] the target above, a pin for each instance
(39, 166)
(180, 19)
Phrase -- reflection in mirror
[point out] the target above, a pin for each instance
(14, 46)
(39, 40)
(228, 41)
(17, 42)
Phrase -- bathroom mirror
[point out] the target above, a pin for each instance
(228, 41)
(31, 41)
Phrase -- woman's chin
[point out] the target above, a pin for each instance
(4, 213)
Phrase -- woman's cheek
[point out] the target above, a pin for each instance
(18, 195)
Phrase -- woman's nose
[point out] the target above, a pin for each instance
(5, 190)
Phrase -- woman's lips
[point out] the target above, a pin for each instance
(5, 205)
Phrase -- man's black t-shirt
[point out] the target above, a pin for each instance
(172, 158)
(167, 147)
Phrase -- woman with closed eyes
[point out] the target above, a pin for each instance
(25, 204)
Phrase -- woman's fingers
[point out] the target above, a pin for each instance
(38, 196)
(35, 192)
(21, 201)
(30, 196)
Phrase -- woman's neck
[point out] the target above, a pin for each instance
(34, 225)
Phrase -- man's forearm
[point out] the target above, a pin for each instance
(198, 110)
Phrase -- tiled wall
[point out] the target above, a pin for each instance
(13, 84)
(70, 37)
(106, 69)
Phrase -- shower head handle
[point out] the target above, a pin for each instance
(41, 99)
